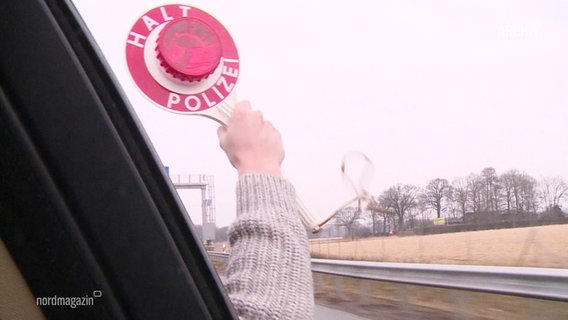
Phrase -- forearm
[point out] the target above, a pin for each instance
(269, 274)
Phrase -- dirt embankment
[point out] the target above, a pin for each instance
(543, 246)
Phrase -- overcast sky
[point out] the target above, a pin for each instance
(427, 89)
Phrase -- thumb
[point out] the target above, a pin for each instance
(221, 133)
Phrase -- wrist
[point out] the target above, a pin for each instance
(271, 170)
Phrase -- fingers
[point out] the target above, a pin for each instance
(221, 134)
(243, 113)
(243, 105)
(241, 108)
(239, 112)
(252, 144)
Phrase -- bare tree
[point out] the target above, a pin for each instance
(347, 217)
(434, 194)
(509, 180)
(452, 208)
(460, 194)
(552, 191)
(519, 191)
(375, 211)
(475, 187)
(490, 193)
(400, 199)
(529, 194)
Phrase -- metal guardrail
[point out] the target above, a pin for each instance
(220, 256)
(541, 283)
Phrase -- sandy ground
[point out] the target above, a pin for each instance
(544, 246)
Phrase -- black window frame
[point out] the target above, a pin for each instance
(85, 204)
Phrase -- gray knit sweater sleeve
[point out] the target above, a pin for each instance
(268, 274)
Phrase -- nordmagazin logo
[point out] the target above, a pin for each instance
(72, 302)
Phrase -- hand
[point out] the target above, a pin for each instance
(251, 143)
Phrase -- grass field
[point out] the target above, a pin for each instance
(543, 246)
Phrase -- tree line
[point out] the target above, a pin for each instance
(476, 198)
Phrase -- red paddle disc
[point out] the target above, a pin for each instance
(182, 58)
